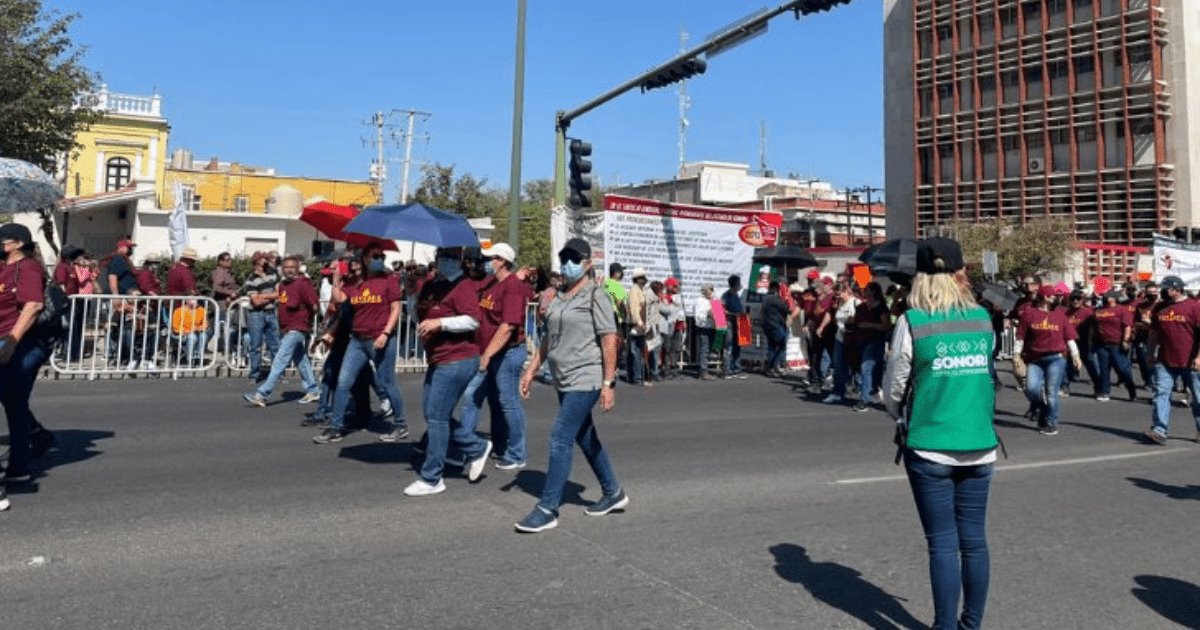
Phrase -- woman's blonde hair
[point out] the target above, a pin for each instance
(940, 293)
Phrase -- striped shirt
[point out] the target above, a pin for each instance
(256, 284)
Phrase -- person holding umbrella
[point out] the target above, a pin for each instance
(448, 308)
(375, 300)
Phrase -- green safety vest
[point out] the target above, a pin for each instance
(952, 395)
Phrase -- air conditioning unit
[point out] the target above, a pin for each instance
(1037, 165)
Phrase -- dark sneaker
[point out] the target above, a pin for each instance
(504, 464)
(255, 399)
(608, 503)
(17, 476)
(475, 466)
(861, 407)
(1156, 437)
(1132, 392)
(398, 432)
(539, 520)
(329, 435)
(1048, 430)
(315, 420)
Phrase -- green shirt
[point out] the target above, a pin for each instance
(616, 293)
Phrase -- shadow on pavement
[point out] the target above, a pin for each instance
(1009, 424)
(378, 453)
(843, 588)
(72, 446)
(1174, 599)
(1135, 436)
(531, 481)
(1172, 492)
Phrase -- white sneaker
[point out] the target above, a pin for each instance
(422, 488)
(308, 398)
(475, 467)
(133, 365)
(148, 365)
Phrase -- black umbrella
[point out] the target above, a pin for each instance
(1003, 297)
(865, 257)
(786, 256)
(895, 257)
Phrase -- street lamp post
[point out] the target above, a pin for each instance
(514, 183)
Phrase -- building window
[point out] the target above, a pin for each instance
(1083, 10)
(1085, 134)
(241, 203)
(987, 28)
(116, 174)
(191, 201)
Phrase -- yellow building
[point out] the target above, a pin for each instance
(129, 143)
(232, 187)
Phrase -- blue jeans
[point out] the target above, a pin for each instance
(16, 384)
(191, 346)
(292, 349)
(444, 385)
(505, 395)
(1164, 382)
(733, 358)
(1047, 372)
(952, 504)
(573, 424)
(1110, 356)
(704, 341)
(841, 369)
(872, 360)
(358, 353)
(264, 326)
(636, 359)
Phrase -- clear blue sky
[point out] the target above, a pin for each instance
(291, 84)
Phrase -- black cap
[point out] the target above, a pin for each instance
(15, 232)
(1173, 282)
(615, 268)
(1077, 294)
(939, 255)
(71, 252)
(1113, 294)
(579, 246)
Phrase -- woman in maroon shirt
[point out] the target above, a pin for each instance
(22, 354)
(448, 308)
(1043, 335)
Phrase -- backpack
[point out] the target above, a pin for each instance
(52, 323)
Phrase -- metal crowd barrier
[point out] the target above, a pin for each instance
(109, 334)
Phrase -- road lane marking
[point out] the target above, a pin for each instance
(1049, 464)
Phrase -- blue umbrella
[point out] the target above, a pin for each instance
(25, 187)
(415, 222)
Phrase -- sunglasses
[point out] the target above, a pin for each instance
(570, 256)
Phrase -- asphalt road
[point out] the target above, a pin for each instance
(172, 505)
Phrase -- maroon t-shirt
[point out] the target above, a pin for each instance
(1111, 322)
(1082, 318)
(297, 301)
(20, 284)
(372, 302)
(147, 282)
(181, 280)
(1175, 325)
(504, 303)
(441, 298)
(64, 276)
(877, 315)
(1044, 333)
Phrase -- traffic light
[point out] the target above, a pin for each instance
(683, 70)
(580, 168)
(812, 6)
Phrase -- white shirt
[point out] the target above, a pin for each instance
(843, 313)
(703, 313)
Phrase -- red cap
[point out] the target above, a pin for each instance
(827, 280)
(126, 243)
(814, 274)
(1046, 291)
(671, 282)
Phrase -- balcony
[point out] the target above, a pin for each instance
(123, 104)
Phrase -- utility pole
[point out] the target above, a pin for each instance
(380, 169)
(812, 213)
(408, 142)
(684, 103)
(849, 220)
(514, 183)
(762, 147)
(870, 227)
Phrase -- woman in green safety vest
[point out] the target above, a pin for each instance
(939, 389)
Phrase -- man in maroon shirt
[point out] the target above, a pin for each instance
(181, 280)
(147, 277)
(295, 307)
(1083, 318)
(1043, 335)
(1111, 337)
(1173, 342)
(66, 278)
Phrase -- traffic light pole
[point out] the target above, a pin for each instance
(514, 184)
(562, 119)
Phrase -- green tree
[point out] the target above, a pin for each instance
(1040, 245)
(41, 77)
(464, 194)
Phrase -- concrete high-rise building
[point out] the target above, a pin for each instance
(1018, 109)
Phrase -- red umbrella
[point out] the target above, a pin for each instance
(330, 219)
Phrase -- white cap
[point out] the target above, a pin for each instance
(500, 250)
(637, 273)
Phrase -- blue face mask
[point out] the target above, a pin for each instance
(376, 267)
(571, 271)
(489, 269)
(450, 268)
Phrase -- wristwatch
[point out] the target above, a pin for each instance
(610, 384)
